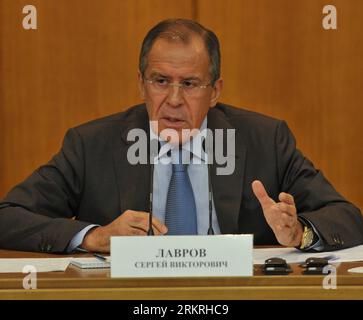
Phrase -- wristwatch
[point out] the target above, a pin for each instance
(307, 238)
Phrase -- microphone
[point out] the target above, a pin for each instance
(210, 190)
(210, 196)
(150, 232)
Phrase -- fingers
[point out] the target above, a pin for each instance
(130, 223)
(159, 226)
(262, 196)
(276, 217)
(137, 232)
(287, 208)
(286, 220)
(287, 198)
(281, 216)
(139, 223)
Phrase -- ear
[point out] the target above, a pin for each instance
(217, 89)
(141, 85)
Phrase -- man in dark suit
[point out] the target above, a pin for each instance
(92, 181)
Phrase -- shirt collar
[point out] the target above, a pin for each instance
(193, 146)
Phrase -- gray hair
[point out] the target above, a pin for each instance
(181, 30)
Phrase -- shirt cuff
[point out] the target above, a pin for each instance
(78, 238)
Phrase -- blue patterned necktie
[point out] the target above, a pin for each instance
(180, 213)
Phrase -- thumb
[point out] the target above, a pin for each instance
(261, 194)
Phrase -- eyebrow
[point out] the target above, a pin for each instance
(192, 78)
(158, 74)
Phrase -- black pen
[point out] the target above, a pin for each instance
(99, 256)
(96, 255)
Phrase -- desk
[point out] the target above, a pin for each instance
(75, 283)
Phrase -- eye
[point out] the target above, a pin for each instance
(189, 84)
(161, 81)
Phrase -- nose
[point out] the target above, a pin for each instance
(175, 97)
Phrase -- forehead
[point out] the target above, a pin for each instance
(177, 58)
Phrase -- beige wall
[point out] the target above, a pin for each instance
(81, 63)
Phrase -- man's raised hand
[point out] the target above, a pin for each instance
(280, 216)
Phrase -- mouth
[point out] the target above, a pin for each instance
(171, 122)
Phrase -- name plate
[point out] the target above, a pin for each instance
(182, 256)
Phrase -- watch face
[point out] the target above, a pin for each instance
(307, 238)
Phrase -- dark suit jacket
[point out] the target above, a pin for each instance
(91, 180)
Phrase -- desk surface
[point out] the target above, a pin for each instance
(75, 283)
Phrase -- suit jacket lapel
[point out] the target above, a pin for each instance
(133, 180)
(227, 189)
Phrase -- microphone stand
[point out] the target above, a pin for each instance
(150, 232)
(210, 196)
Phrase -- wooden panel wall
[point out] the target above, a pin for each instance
(81, 63)
(278, 60)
